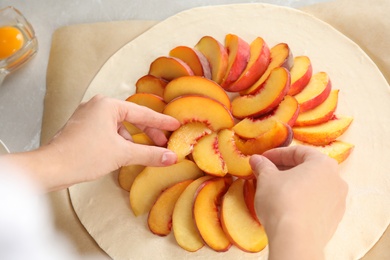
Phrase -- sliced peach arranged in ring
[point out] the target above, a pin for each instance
(321, 113)
(169, 68)
(216, 54)
(279, 135)
(251, 128)
(281, 56)
(249, 196)
(325, 133)
(316, 91)
(287, 111)
(194, 108)
(183, 225)
(206, 213)
(127, 174)
(259, 59)
(207, 156)
(337, 149)
(149, 184)
(236, 162)
(142, 138)
(160, 215)
(238, 56)
(196, 86)
(194, 59)
(243, 230)
(301, 73)
(268, 97)
(183, 139)
(151, 84)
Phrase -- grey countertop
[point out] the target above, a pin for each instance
(22, 93)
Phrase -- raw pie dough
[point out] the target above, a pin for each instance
(103, 207)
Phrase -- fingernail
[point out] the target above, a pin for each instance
(168, 158)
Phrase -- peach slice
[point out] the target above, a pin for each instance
(149, 184)
(337, 149)
(160, 215)
(316, 91)
(183, 224)
(251, 128)
(206, 213)
(259, 59)
(217, 56)
(169, 68)
(183, 139)
(325, 133)
(127, 175)
(198, 86)
(236, 162)
(268, 97)
(195, 108)
(194, 59)
(281, 56)
(238, 57)
(148, 100)
(142, 138)
(150, 84)
(249, 197)
(321, 113)
(301, 73)
(243, 230)
(279, 135)
(207, 155)
(287, 111)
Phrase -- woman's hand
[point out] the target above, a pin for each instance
(300, 200)
(94, 142)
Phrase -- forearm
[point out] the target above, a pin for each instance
(44, 166)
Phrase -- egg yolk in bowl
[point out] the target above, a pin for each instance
(11, 40)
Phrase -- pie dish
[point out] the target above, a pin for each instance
(103, 208)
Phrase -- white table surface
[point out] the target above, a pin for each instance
(22, 93)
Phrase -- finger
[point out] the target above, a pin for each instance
(158, 136)
(150, 155)
(144, 116)
(292, 156)
(122, 131)
(260, 165)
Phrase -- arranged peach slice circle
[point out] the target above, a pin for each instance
(207, 156)
(236, 162)
(280, 134)
(251, 128)
(142, 138)
(183, 225)
(249, 197)
(206, 213)
(337, 149)
(197, 86)
(259, 59)
(149, 184)
(160, 215)
(151, 84)
(321, 113)
(183, 139)
(169, 68)
(316, 91)
(281, 56)
(127, 174)
(238, 56)
(287, 111)
(194, 59)
(301, 73)
(266, 99)
(243, 230)
(195, 108)
(325, 133)
(216, 54)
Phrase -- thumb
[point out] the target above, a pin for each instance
(149, 155)
(261, 164)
